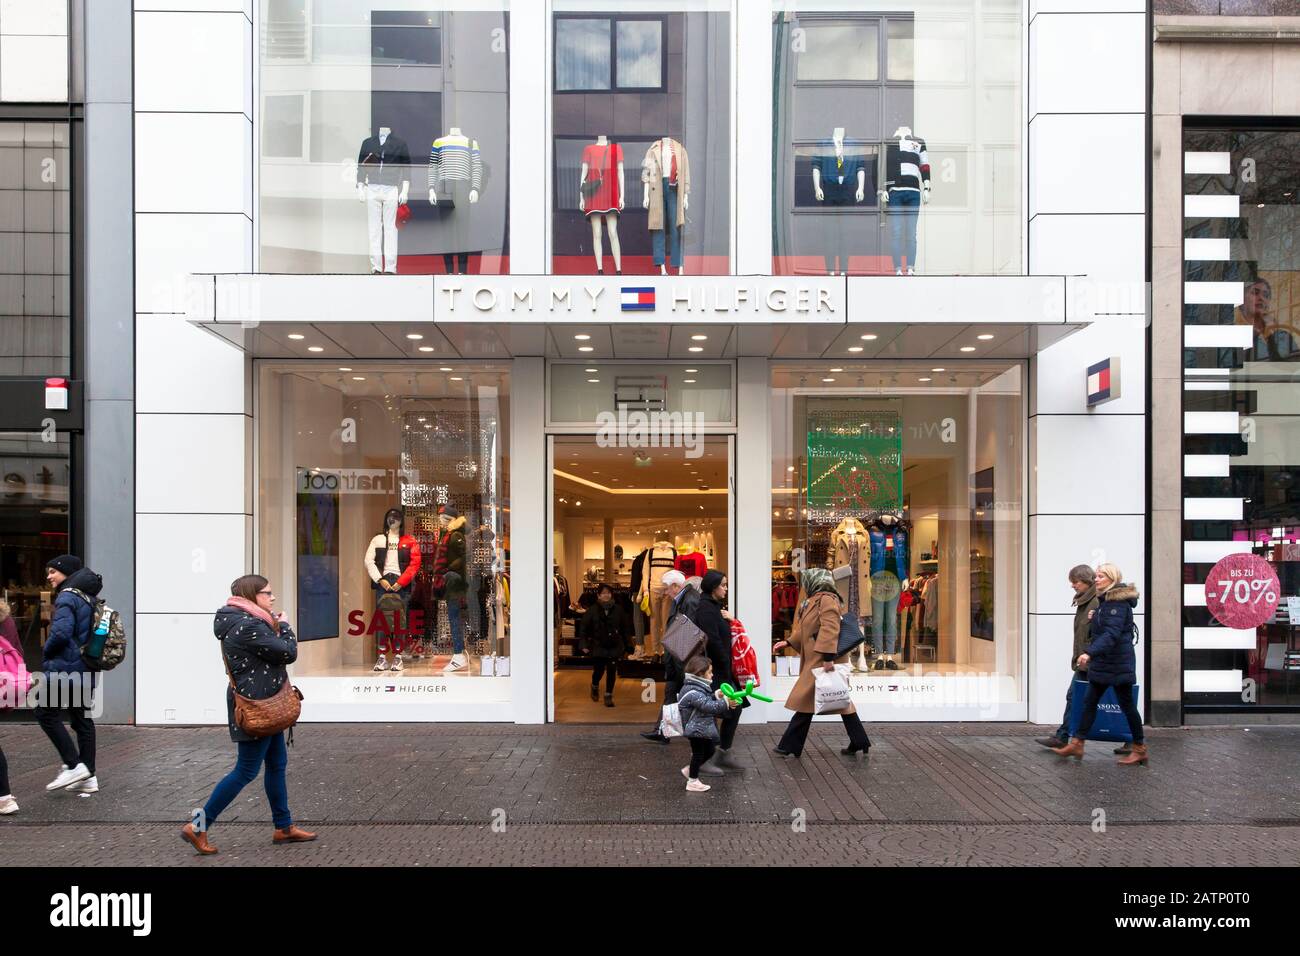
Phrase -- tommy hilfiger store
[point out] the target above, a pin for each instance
(439, 492)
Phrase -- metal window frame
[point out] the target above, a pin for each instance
(613, 19)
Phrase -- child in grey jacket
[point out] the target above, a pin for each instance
(699, 704)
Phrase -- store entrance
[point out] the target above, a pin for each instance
(621, 517)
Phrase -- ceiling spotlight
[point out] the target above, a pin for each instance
(296, 337)
(986, 337)
(828, 380)
(695, 348)
(692, 371)
(314, 348)
(582, 337)
(426, 348)
(855, 348)
(591, 370)
(869, 337)
(414, 336)
(688, 381)
(937, 370)
(445, 369)
(924, 378)
(967, 348)
(594, 381)
(358, 378)
(457, 378)
(585, 348)
(837, 370)
(699, 338)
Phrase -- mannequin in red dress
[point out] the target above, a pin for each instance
(600, 160)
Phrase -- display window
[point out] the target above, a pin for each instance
(1241, 314)
(642, 139)
(383, 522)
(896, 139)
(384, 137)
(905, 480)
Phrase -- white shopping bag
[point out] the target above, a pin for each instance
(831, 694)
(671, 723)
(782, 666)
(794, 665)
(503, 667)
(487, 666)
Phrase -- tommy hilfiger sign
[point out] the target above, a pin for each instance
(652, 298)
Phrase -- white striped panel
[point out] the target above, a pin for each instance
(1207, 387)
(1212, 682)
(1217, 336)
(1206, 164)
(1205, 466)
(1211, 423)
(1207, 250)
(1212, 207)
(1193, 595)
(1219, 639)
(1212, 552)
(1214, 293)
(1212, 509)
(1206, 371)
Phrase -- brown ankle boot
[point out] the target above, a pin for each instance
(1138, 756)
(1073, 749)
(197, 839)
(295, 834)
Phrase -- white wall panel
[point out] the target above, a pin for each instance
(1067, 480)
(1096, 6)
(1110, 248)
(193, 62)
(185, 369)
(1059, 542)
(1060, 379)
(1088, 62)
(193, 163)
(34, 69)
(199, 6)
(178, 670)
(34, 17)
(169, 247)
(191, 464)
(202, 554)
(1087, 164)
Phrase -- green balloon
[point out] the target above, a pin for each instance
(731, 692)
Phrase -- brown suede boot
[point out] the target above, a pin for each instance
(295, 834)
(1073, 749)
(1138, 756)
(197, 839)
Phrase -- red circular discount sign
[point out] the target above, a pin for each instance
(1242, 591)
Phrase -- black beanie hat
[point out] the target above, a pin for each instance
(68, 564)
(710, 581)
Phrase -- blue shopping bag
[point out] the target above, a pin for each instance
(1110, 723)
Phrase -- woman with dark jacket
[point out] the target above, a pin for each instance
(717, 630)
(76, 589)
(603, 632)
(256, 645)
(1110, 662)
(816, 635)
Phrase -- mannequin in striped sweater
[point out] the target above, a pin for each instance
(455, 177)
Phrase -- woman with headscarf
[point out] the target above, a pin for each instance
(815, 634)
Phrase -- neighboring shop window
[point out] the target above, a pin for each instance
(605, 393)
(342, 451)
(642, 141)
(384, 138)
(905, 481)
(892, 154)
(1241, 312)
(35, 247)
(34, 527)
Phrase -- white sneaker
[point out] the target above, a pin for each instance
(8, 805)
(381, 664)
(458, 662)
(898, 272)
(397, 663)
(89, 785)
(697, 786)
(66, 777)
(911, 271)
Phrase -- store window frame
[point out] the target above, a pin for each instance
(614, 19)
(847, 18)
(588, 427)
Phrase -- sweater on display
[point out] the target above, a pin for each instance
(907, 165)
(452, 160)
(386, 163)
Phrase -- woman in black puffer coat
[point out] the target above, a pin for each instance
(717, 629)
(1110, 661)
(257, 644)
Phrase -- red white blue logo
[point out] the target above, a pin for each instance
(638, 299)
(1103, 381)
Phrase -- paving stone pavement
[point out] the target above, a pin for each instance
(419, 793)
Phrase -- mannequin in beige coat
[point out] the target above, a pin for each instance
(848, 566)
(659, 161)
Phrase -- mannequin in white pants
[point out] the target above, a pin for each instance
(381, 202)
(610, 217)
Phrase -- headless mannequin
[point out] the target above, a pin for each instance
(889, 524)
(610, 218)
(837, 137)
(904, 132)
(861, 663)
(473, 193)
(666, 153)
(384, 133)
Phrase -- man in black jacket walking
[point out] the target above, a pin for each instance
(685, 601)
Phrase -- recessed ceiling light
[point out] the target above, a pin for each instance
(358, 378)
(695, 348)
(594, 381)
(444, 368)
(314, 348)
(936, 370)
(414, 336)
(789, 467)
(578, 503)
(582, 337)
(296, 337)
(869, 337)
(344, 368)
(457, 378)
(837, 370)
(591, 370)
(688, 381)
(855, 348)
(692, 371)
(585, 348)
(426, 348)
(828, 380)
(967, 348)
(985, 337)
(924, 378)
(699, 338)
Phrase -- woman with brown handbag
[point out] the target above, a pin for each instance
(256, 645)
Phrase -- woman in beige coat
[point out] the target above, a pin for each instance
(816, 635)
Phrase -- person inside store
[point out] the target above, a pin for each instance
(1270, 342)
(1085, 604)
(717, 631)
(815, 634)
(1110, 661)
(685, 599)
(605, 633)
(257, 645)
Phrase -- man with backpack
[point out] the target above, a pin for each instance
(76, 589)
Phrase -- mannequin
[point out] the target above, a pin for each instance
(838, 180)
(907, 185)
(666, 173)
(392, 561)
(450, 582)
(455, 178)
(888, 536)
(599, 161)
(660, 557)
(383, 162)
(638, 618)
(851, 569)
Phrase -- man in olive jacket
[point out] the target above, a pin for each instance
(1085, 603)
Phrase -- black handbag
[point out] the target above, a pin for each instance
(850, 635)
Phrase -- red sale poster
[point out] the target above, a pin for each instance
(1242, 591)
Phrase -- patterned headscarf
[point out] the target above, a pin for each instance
(816, 580)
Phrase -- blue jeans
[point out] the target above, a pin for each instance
(457, 624)
(1063, 731)
(884, 624)
(670, 229)
(904, 207)
(252, 754)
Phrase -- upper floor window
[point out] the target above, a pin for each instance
(596, 54)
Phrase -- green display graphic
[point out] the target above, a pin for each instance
(855, 461)
(739, 695)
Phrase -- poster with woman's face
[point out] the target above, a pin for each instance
(1271, 306)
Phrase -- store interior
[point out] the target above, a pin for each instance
(623, 516)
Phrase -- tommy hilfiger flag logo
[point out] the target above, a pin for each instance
(638, 299)
(1103, 381)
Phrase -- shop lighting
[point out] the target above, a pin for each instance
(699, 338)
(358, 378)
(837, 370)
(594, 381)
(691, 371)
(582, 337)
(426, 348)
(855, 348)
(986, 337)
(688, 381)
(585, 348)
(296, 337)
(869, 337)
(591, 370)
(938, 370)
(457, 378)
(967, 348)
(925, 379)
(828, 380)
(314, 348)
(695, 348)
(414, 336)
(789, 467)
(578, 504)
(445, 369)
(344, 368)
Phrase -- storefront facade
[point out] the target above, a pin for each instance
(879, 365)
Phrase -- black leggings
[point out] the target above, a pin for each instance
(1125, 694)
(51, 721)
(796, 733)
(607, 665)
(4, 774)
(701, 750)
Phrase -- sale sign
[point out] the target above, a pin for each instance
(1242, 591)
